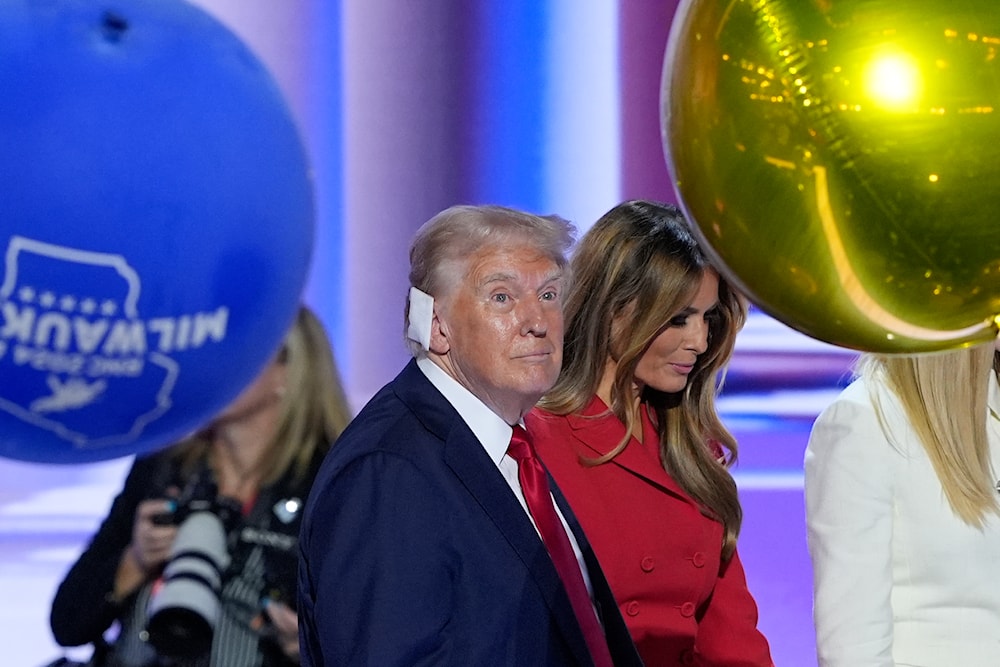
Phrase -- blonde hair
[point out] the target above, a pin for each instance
(314, 407)
(945, 397)
(639, 265)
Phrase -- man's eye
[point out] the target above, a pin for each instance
(550, 295)
(501, 298)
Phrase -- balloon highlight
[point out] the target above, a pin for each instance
(838, 159)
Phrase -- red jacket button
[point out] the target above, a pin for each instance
(687, 657)
(647, 564)
(698, 559)
(632, 608)
(687, 609)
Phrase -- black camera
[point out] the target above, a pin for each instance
(184, 611)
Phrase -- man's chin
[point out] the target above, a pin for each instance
(538, 385)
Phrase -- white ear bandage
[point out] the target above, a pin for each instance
(421, 314)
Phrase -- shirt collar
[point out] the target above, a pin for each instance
(492, 432)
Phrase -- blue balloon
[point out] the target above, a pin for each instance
(156, 224)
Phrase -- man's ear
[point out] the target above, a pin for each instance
(440, 335)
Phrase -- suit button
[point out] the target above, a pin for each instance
(687, 609)
(632, 608)
(698, 559)
(687, 657)
(647, 564)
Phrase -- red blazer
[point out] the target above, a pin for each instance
(660, 554)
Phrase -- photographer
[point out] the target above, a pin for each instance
(233, 494)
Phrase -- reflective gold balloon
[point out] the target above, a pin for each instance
(841, 158)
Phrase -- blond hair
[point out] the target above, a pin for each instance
(314, 407)
(640, 265)
(945, 398)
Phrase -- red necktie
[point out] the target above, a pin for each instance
(535, 485)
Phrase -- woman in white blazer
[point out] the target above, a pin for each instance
(903, 512)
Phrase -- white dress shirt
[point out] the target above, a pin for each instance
(494, 435)
(899, 578)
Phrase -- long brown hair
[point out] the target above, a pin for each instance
(640, 265)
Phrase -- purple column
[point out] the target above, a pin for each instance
(403, 108)
(643, 29)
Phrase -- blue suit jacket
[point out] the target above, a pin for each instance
(414, 551)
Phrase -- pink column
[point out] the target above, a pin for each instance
(643, 29)
(404, 95)
(401, 94)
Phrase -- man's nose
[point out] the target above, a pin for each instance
(534, 320)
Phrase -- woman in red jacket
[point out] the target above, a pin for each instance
(632, 437)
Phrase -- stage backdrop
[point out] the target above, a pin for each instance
(407, 108)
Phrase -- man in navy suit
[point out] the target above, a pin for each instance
(417, 546)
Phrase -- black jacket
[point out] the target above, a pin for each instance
(262, 546)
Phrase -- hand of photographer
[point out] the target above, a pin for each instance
(149, 548)
(151, 540)
(283, 627)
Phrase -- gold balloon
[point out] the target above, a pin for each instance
(841, 159)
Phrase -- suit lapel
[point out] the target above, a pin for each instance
(598, 431)
(618, 637)
(466, 457)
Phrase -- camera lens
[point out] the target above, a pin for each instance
(184, 611)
